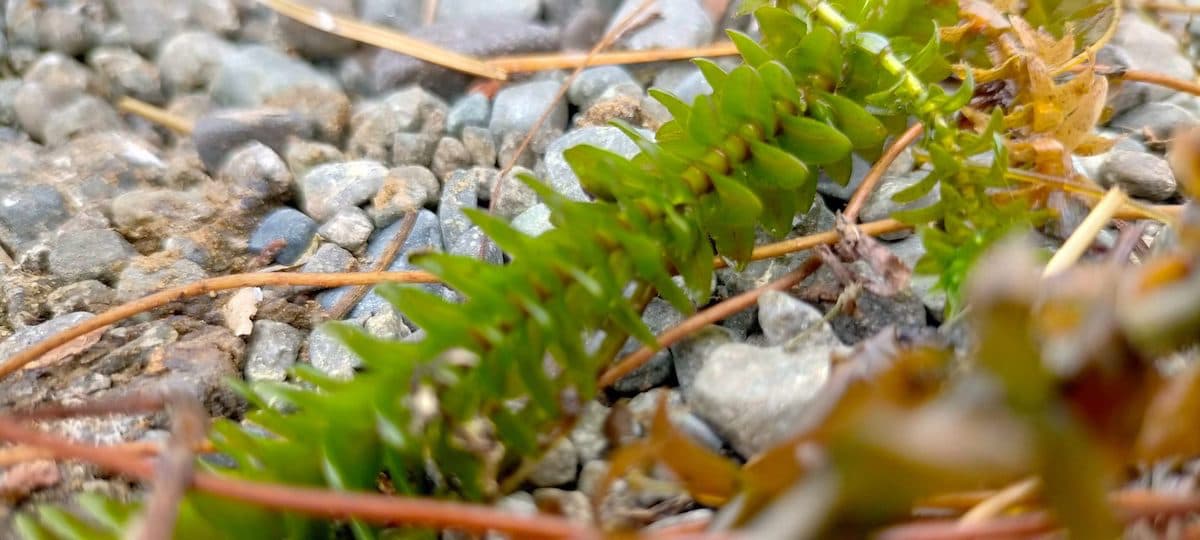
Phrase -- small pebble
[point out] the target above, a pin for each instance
(349, 228)
(272, 351)
(286, 230)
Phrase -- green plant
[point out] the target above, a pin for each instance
(502, 373)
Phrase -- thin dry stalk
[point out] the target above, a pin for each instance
(176, 465)
(1083, 236)
(830, 237)
(430, 12)
(347, 302)
(544, 62)
(384, 38)
(1170, 7)
(205, 286)
(158, 115)
(1002, 500)
(864, 190)
(704, 318)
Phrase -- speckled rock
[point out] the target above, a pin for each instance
(29, 213)
(145, 275)
(331, 187)
(29, 335)
(518, 107)
(681, 23)
(327, 110)
(473, 109)
(272, 350)
(349, 228)
(534, 221)
(327, 353)
(125, 73)
(374, 126)
(255, 176)
(460, 191)
(216, 134)
(405, 189)
(190, 61)
(94, 254)
(158, 213)
(313, 42)
(250, 75)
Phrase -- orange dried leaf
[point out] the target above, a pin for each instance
(1169, 426)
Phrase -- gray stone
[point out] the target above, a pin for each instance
(150, 22)
(558, 466)
(328, 258)
(8, 95)
(473, 109)
(29, 213)
(85, 115)
(349, 228)
(460, 191)
(784, 318)
(882, 205)
(220, 16)
(313, 42)
(144, 276)
(588, 434)
(473, 243)
(515, 197)
(400, 14)
(190, 61)
(594, 82)
(158, 213)
(200, 365)
(518, 107)
(859, 168)
(1141, 175)
(406, 189)
(560, 176)
(659, 315)
(255, 176)
(248, 76)
(272, 351)
(88, 295)
(454, 10)
(909, 251)
(1140, 44)
(374, 71)
(449, 157)
(754, 397)
(287, 226)
(95, 254)
(872, 312)
(374, 125)
(511, 144)
(414, 149)
(534, 221)
(303, 156)
(216, 134)
(818, 219)
(689, 354)
(1160, 118)
(327, 353)
(327, 110)
(480, 145)
(681, 23)
(25, 337)
(331, 187)
(126, 73)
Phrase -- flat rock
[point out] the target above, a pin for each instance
(250, 75)
(331, 187)
(93, 254)
(29, 335)
(1141, 175)
(518, 107)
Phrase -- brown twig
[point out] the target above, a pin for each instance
(864, 190)
(1170, 7)
(525, 63)
(121, 404)
(372, 508)
(779, 249)
(704, 318)
(1002, 500)
(197, 288)
(347, 301)
(1022, 526)
(384, 38)
(1086, 232)
(158, 115)
(176, 465)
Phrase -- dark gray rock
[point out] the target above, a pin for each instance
(1141, 175)
(819, 218)
(473, 109)
(327, 353)
(909, 251)
(327, 110)
(349, 228)
(754, 397)
(518, 107)
(95, 254)
(473, 243)
(332, 187)
(272, 350)
(294, 229)
(250, 75)
(659, 316)
(1140, 44)
(375, 71)
(313, 42)
(200, 365)
(328, 258)
(216, 134)
(559, 175)
(125, 73)
(29, 213)
(190, 61)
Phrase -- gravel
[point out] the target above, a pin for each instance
(272, 351)
(95, 254)
(287, 232)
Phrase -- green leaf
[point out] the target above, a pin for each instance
(778, 168)
(818, 54)
(918, 189)
(739, 205)
(812, 141)
(745, 98)
(780, 84)
(752, 53)
(66, 525)
(678, 109)
(713, 73)
(839, 171)
(781, 29)
(866, 133)
(28, 528)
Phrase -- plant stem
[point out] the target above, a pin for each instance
(876, 173)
